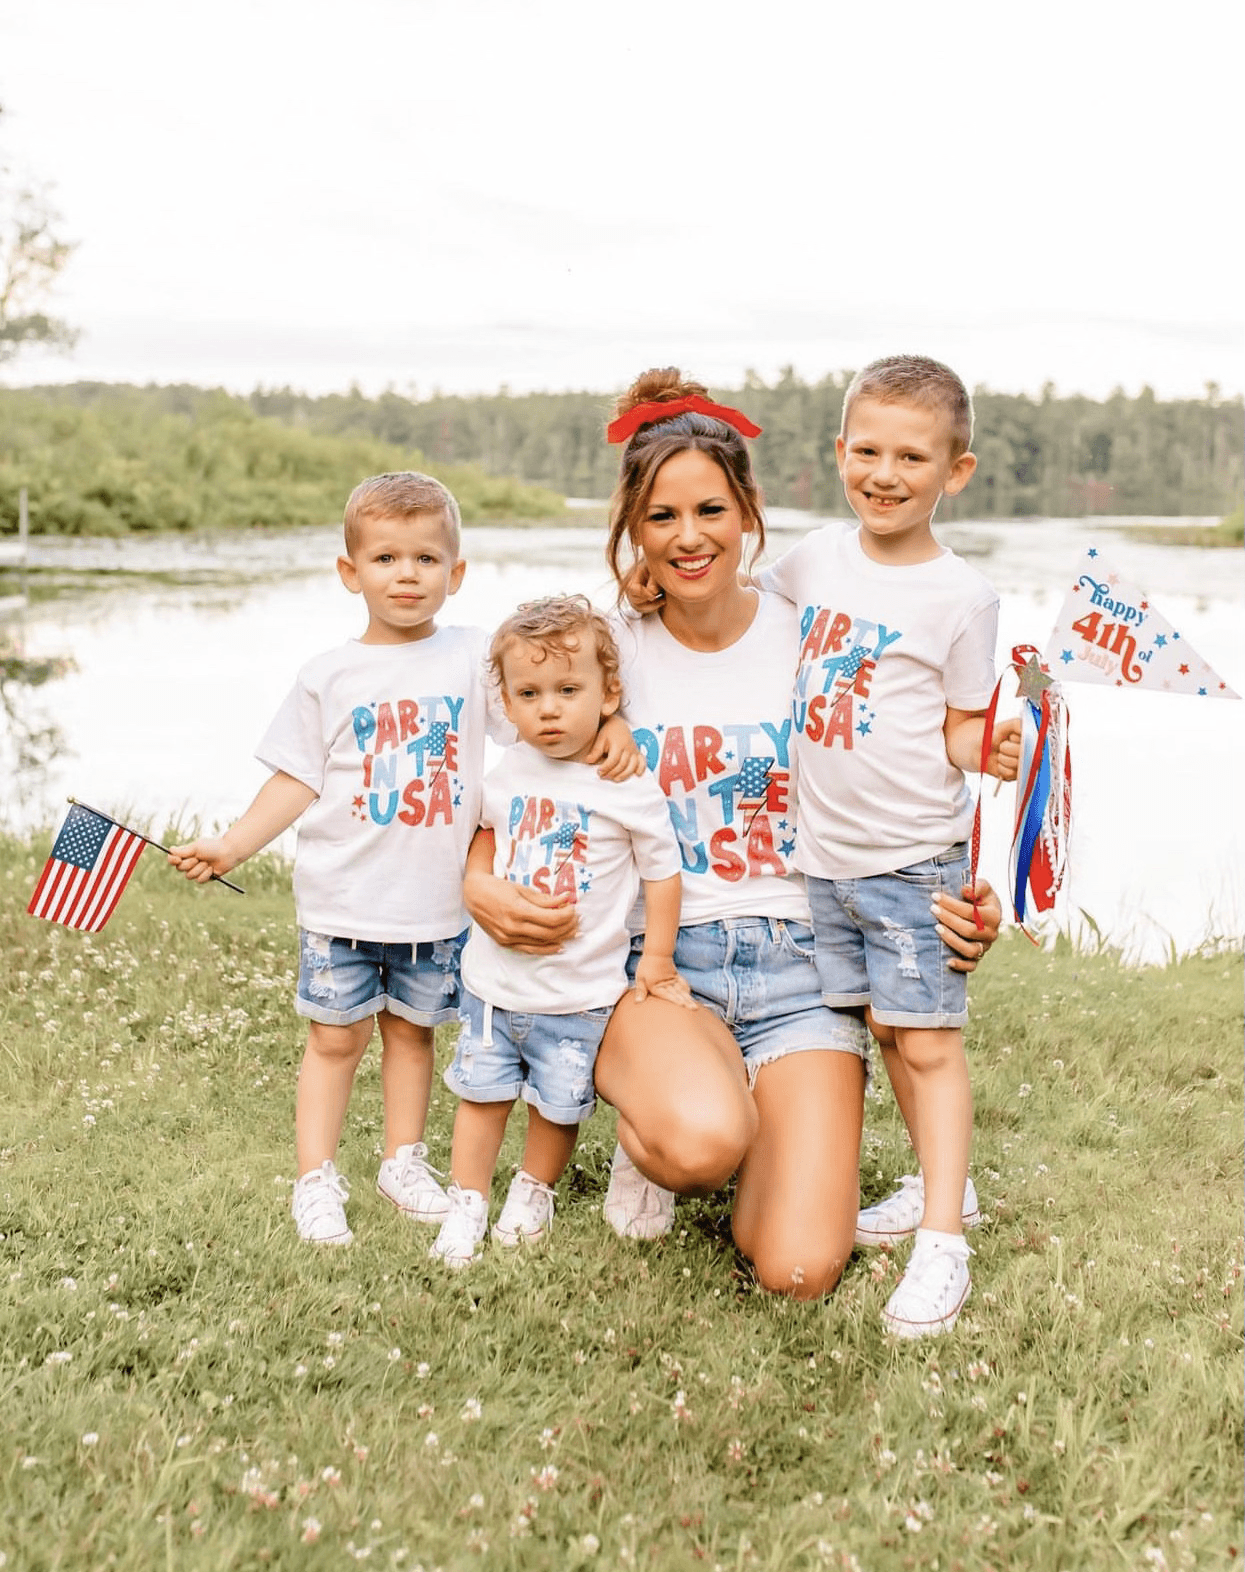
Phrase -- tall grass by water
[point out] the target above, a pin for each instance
(182, 1384)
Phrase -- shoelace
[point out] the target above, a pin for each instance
(318, 1198)
(417, 1162)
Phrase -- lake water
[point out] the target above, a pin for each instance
(183, 648)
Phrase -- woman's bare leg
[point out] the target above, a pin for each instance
(798, 1192)
(685, 1115)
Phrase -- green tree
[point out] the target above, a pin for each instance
(32, 253)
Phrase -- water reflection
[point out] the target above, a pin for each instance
(182, 648)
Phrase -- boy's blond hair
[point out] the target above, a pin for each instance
(555, 625)
(915, 379)
(401, 494)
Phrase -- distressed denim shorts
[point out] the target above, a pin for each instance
(341, 981)
(876, 943)
(547, 1060)
(757, 975)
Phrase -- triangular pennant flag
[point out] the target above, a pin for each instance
(1109, 632)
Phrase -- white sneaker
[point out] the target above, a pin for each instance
(635, 1207)
(528, 1213)
(464, 1227)
(932, 1291)
(318, 1206)
(410, 1182)
(899, 1215)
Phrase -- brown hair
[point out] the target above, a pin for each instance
(915, 379)
(554, 625)
(658, 440)
(401, 494)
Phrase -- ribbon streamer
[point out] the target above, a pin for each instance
(1043, 826)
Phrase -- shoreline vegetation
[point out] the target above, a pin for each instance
(186, 1384)
(114, 459)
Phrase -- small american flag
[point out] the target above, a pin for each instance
(438, 731)
(91, 863)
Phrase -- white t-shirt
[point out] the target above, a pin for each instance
(716, 730)
(391, 738)
(559, 827)
(883, 651)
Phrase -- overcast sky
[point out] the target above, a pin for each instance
(558, 193)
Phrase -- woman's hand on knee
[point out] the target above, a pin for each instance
(968, 927)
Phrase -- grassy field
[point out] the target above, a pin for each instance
(182, 1385)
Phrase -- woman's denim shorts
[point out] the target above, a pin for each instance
(876, 943)
(757, 975)
(341, 981)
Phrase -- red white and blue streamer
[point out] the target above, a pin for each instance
(1043, 826)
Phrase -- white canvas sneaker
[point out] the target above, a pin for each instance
(318, 1205)
(409, 1180)
(464, 1227)
(899, 1215)
(635, 1207)
(528, 1213)
(931, 1293)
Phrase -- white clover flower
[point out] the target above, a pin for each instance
(91, 1438)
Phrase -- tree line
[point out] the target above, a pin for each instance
(109, 458)
(1045, 456)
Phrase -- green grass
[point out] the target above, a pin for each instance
(183, 1385)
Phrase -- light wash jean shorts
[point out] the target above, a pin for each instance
(757, 975)
(547, 1060)
(876, 943)
(341, 981)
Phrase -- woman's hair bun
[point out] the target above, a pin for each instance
(659, 386)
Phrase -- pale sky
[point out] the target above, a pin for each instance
(558, 193)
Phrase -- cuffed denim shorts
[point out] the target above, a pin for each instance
(876, 943)
(757, 975)
(547, 1060)
(341, 981)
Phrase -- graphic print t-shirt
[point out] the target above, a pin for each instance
(560, 829)
(883, 651)
(391, 738)
(716, 730)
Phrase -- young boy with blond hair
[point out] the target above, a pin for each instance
(896, 670)
(531, 1024)
(378, 751)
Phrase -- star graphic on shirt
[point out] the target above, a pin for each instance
(1065, 656)
(1160, 641)
(786, 847)
(1184, 671)
(864, 728)
(1201, 693)
(358, 802)
(585, 884)
(1093, 551)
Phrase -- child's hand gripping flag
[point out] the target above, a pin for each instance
(92, 859)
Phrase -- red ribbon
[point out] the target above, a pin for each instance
(643, 414)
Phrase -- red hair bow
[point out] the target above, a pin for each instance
(642, 414)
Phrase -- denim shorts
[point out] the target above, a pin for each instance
(547, 1060)
(757, 975)
(876, 943)
(341, 981)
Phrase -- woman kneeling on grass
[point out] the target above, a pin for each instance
(765, 1079)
